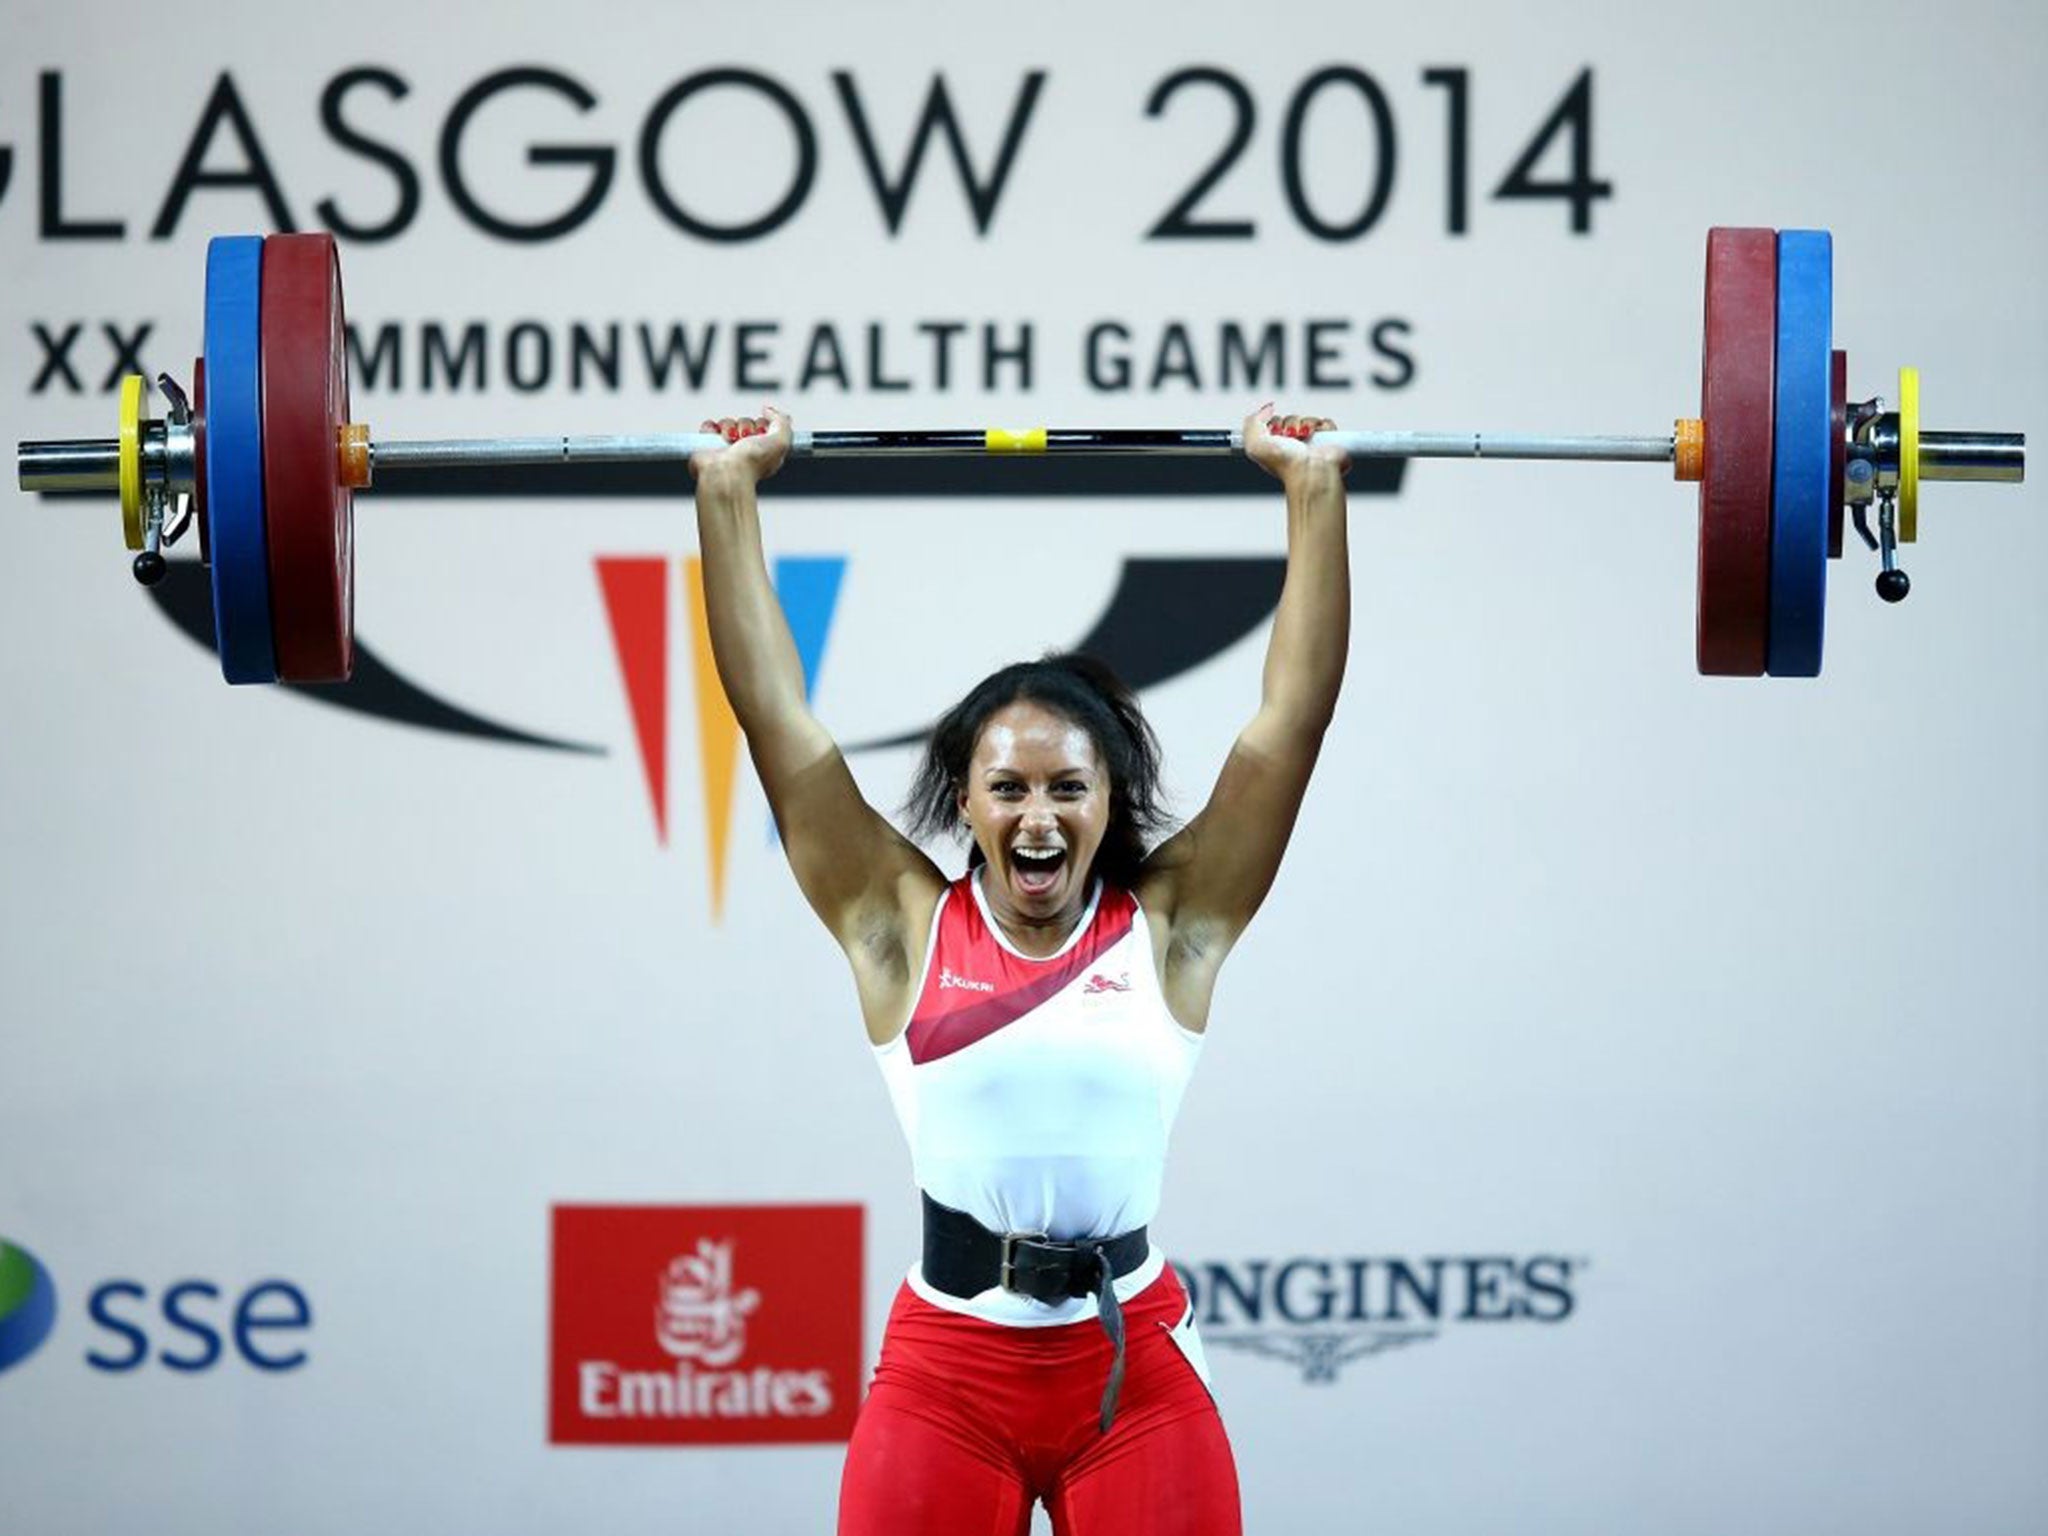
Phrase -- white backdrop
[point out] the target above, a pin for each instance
(1722, 999)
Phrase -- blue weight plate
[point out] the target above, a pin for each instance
(1802, 457)
(234, 459)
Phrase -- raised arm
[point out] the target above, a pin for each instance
(871, 886)
(1202, 885)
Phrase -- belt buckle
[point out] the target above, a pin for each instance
(1008, 1274)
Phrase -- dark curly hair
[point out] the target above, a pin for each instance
(1083, 690)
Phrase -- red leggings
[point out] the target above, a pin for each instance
(968, 1422)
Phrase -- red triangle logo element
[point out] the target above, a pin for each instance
(636, 602)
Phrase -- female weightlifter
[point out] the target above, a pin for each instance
(1036, 1021)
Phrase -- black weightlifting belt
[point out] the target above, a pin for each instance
(963, 1258)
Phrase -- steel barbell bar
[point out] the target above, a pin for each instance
(92, 464)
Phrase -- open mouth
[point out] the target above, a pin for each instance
(1037, 869)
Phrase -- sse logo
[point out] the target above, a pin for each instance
(188, 1310)
(189, 1327)
(28, 1304)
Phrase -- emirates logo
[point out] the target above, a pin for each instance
(699, 1315)
(705, 1324)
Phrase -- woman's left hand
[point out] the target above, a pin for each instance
(1280, 444)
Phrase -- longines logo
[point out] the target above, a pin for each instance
(1321, 1314)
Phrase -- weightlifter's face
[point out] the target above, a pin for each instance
(1037, 798)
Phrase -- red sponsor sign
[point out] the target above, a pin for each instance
(705, 1325)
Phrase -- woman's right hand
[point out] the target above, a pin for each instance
(756, 446)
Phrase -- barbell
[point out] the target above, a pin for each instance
(264, 460)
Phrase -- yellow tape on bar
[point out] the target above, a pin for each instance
(1014, 440)
(134, 390)
(1909, 455)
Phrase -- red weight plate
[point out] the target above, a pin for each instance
(1838, 450)
(1737, 403)
(308, 512)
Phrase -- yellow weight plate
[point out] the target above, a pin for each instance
(1909, 455)
(134, 395)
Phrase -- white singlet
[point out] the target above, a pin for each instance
(1037, 1095)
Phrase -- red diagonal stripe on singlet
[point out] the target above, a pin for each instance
(932, 1037)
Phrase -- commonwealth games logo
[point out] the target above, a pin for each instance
(1167, 615)
(636, 590)
(28, 1304)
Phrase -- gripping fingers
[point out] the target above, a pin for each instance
(1278, 443)
(753, 445)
